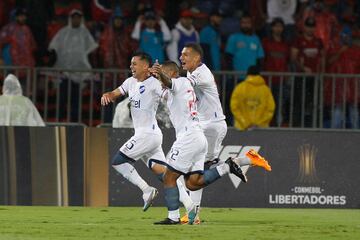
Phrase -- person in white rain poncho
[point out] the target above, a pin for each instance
(72, 45)
(16, 109)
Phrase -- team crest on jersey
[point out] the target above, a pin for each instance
(142, 89)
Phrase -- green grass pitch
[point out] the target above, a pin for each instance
(30, 223)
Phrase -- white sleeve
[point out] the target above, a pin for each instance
(136, 32)
(194, 79)
(124, 88)
(164, 95)
(174, 85)
(165, 30)
(172, 48)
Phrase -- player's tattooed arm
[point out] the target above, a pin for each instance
(159, 74)
(165, 79)
(109, 97)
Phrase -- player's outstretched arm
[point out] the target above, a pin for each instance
(109, 97)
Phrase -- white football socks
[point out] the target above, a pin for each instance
(129, 172)
(223, 169)
(242, 161)
(196, 196)
(174, 215)
(184, 196)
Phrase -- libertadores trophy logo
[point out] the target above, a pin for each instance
(307, 190)
(307, 168)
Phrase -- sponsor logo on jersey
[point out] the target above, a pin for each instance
(134, 103)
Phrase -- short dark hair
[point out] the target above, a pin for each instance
(143, 56)
(172, 65)
(196, 47)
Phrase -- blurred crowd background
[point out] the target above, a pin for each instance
(302, 36)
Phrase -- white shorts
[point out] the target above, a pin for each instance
(215, 133)
(187, 154)
(146, 147)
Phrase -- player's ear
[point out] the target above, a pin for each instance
(197, 57)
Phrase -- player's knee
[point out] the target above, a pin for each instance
(120, 158)
(170, 179)
(191, 186)
(194, 182)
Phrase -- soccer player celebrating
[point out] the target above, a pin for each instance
(144, 94)
(185, 159)
(211, 116)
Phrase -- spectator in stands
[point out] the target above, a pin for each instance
(341, 109)
(327, 26)
(72, 45)
(15, 109)
(277, 50)
(285, 10)
(308, 56)
(18, 36)
(252, 103)
(244, 47)
(210, 41)
(115, 44)
(277, 55)
(307, 52)
(183, 33)
(152, 33)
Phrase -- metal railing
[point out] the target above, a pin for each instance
(74, 95)
(302, 100)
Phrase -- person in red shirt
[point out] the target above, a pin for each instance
(115, 44)
(276, 50)
(21, 40)
(341, 107)
(19, 46)
(277, 53)
(307, 54)
(327, 25)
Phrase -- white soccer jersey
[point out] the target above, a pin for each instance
(209, 106)
(182, 106)
(144, 98)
